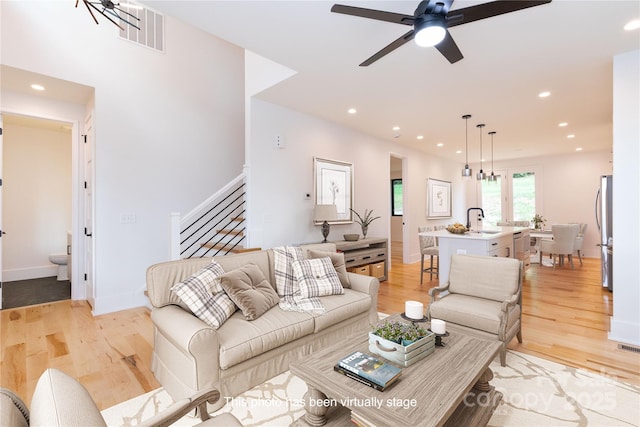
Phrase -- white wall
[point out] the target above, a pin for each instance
(36, 204)
(281, 177)
(625, 324)
(169, 127)
(569, 184)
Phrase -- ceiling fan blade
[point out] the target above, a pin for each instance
(380, 15)
(487, 10)
(449, 49)
(389, 48)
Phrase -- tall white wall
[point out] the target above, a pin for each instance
(36, 203)
(169, 127)
(281, 177)
(625, 324)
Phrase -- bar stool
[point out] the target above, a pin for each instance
(428, 247)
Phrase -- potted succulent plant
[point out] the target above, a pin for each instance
(365, 220)
(399, 332)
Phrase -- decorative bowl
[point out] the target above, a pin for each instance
(457, 229)
(351, 237)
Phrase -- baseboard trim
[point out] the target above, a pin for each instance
(29, 273)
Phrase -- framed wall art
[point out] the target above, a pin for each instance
(333, 183)
(438, 198)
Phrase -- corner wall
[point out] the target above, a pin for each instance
(625, 324)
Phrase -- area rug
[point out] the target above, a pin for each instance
(536, 392)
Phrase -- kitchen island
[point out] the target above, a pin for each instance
(508, 242)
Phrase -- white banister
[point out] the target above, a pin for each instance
(194, 212)
(174, 236)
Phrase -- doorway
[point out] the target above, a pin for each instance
(36, 209)
(397, 179)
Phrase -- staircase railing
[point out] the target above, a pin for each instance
(214, 228)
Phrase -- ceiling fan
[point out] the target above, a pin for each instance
(431, 21)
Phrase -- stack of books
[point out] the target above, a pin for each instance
(368, 370)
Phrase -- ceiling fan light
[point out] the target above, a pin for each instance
(430, 34)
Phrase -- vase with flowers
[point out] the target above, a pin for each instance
(538, 222)
(365, 220)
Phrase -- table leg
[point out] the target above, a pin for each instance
(316, 412)
(483, 382)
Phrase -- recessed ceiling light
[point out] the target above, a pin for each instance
(632, 25)
(544, 94)
(439, 144)
(420, 137)
(396, 128)
(571, 136)
(458, 151)
(352, 111)
(563, 124)
(37, 87)
(579, 149)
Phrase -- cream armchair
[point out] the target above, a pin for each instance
(484, 295)
(60, 400)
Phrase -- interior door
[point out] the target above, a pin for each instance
(88, 210)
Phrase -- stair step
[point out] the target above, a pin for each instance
(237, 219)
(238, 249)
(230, 232)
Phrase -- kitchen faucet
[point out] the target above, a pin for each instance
(469, 220)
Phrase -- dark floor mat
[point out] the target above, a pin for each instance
(21, 293)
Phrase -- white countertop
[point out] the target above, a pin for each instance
(485, 233)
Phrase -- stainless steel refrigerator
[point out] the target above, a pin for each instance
(604, 220)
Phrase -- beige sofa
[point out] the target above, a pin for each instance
(190, 356)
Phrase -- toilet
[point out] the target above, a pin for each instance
(61, 261)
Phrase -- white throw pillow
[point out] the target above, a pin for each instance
(204, 295)
(317, 277)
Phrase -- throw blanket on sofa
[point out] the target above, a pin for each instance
(287, 284)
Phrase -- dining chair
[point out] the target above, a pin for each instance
(563, 243)
(428, 247)
(582, 228)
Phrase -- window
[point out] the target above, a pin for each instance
(396, 197)
(492, 201)
(524, 195)
(514, 197)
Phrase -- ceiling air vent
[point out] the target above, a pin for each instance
(151, 32)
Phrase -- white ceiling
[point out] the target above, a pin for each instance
(565, 47)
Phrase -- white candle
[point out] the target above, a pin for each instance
(438, 326)
(414, 310)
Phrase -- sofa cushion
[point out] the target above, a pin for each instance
(249, 290)
(337, 259)
(472, 312)
(317, 277)
(241, 340)
(204, 295)
(341, 307)
(60, 400)
(494, 278)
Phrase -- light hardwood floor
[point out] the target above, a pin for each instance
(565, 319)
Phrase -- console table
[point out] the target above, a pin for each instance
(366, 252)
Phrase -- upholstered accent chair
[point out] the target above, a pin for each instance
(483, 295)
(563, 243)
(61, 401)
(428, 247)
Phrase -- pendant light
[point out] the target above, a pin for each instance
(466, 172)
(492, 177)
(481, 175)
